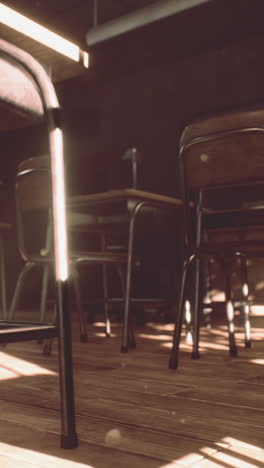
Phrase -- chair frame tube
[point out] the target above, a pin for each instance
(52, 112)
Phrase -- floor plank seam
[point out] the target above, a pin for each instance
(220, 403)
(153, 430)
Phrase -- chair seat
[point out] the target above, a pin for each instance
(221, 249)
(237, 217)
(24, 331)
(84, 257)
(99, 257)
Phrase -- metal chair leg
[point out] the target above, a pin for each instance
(174, 356)
(197, 310)
(68, 431)
(44, 292)
(245, 307)
(27, 267)
(230, 313)
(106, 305)
(205, 281)
(131, 341)
(82, 321)
(3, 278)
(105, 291)
(132, 344)
(47, 346)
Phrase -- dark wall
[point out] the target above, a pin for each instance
(215, 63)
(149, 108)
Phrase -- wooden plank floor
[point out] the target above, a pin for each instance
(131, 410)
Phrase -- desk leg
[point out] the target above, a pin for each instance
(127, 319)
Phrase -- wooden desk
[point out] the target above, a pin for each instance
(116, 210)
(120, 199)
(110, 196)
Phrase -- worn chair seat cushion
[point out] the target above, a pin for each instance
(20, 103)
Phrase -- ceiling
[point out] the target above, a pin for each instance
(213, 25)
(73, 18)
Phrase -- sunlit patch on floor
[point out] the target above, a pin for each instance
(257, 361)
(240, 443)
(194, 457)
(228, 452)
(204, 345)
(102, 335)
(102, 324)
(12, 367)
(34, 458)
(257, 310)
(154, 337)
(161, 326)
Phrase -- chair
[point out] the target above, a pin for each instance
(27, 93)
(33, 208)
(218, 155)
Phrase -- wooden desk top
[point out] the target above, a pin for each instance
(80, 201)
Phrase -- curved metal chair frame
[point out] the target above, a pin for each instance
(32, 182)
(198, 250)
(45, 106)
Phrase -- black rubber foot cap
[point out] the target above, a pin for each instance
(248, 344)
(124, 349)
(233, 352)
(108, 335)
(69, 442)
(47, 348)
(83, 338)
(195, 355)
(173, 363)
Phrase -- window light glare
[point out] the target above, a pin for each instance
(85, 59)
(40, 34)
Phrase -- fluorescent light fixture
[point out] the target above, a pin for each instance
(43, 35)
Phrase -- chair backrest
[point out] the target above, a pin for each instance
(224, 149)
(33, 184)
(33, 205)
(221, 163)
(134, 156)
(26, 87)
(20, 101)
